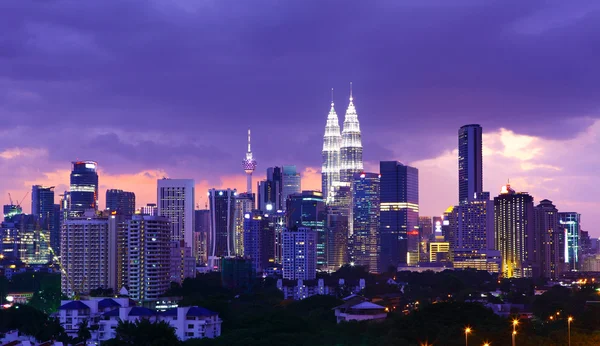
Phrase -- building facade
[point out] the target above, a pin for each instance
(222, 225)
(351, 160)
(175, 199)
(45, 211)
(270, 191)
(300, 254)
(291, 183)
(549, 250)
(399, 212)
(244, 204)
(365, 232)
(470, 167)
(202, 221)
(123, 202)
(259, 240)
(514, 232)
(570, 223)
(472, 224)
(83, 190)
(332, 141)
(308, 210)
(337, 229)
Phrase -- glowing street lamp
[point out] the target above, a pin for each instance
(569, 320)
(515, 322)
(467, 331)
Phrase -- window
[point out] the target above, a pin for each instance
(190, 326)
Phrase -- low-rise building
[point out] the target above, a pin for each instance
(359, 309)
(302, 289)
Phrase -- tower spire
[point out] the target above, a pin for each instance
(249, 165)
(351, 92)
(331, 97)
(249, 141)
(330, 170)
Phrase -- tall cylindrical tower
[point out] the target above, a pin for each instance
(249, 165)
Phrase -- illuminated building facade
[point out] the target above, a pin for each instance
(337, 238)
(470, 167)
(259, 240)
(300, 254)
(202, 228)
(249, 165)
(488, 260)
(549, 241)
(291, 182)
(351, 160)
(365, 235)
(47, 213)
(222, 225)
(332, 140)
(123, 202)
(439, 251)
(244, 204)
(22, 239)
(514, 232)
(308, 210)
(399, 212)
(570, 223)
(472, 224)
(176, 202)
(270, 191)
(84, 187)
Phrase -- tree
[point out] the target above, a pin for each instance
(83, 333)
(144, 332)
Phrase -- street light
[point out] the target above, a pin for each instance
(467, 331)
(569, 320)
(486, 344)
(515, 322)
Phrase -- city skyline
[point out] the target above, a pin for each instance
(530, 128)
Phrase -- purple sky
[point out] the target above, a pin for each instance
(168, 88)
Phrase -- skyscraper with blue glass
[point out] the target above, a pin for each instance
(364, 249)
(84, 187)
(470, 165)
(307, 209)
(570, 222)
(399, 212)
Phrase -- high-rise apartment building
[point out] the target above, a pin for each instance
(259, 240)
(149, 209)
(399, 212)
(244, 204)
(149, 259)
(549, 250)
(202, 221)
(570, 223)
(123, 202)
(332, 141)
(270, 191)
(222, 225)
(470, 167)
(351, 160)
(44, 210)
(365, 237)
(308, 210)
(472, 224)
(183, 262)
(83, 190)
(299, 254)
(514, 232)
(86, 243)
(175, 199)
(337, 238)
(291, 183)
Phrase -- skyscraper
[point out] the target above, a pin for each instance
(202, 221)
(308, 210)
(299, 254)
(259, 240)
(351, 160)
(176, 202)
(244, 204)
(337, 238)
(364, 244)
(570, 223)
(270, 191)
(84, 187)
(549, 240)
(43, 209)
(513, 224)
(291, 181)
(222, 225)
(470, 172)
(123, 202)
(399, 212)
(332, 140)
(249, 165)
(425, 227)
(148, 257)
(472, 225)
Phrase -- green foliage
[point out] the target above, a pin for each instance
(30, 321)
(144, 333)
(47, 297)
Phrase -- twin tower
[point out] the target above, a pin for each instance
(342, 152)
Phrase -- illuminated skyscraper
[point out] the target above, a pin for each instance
(472, 224)
(291, 181)
(549, 240)
(45, 211)
(364, 245)
(514, 232)
(123, 202)
(399, 212)
(221, 242)
(570, 223)
(270, 191)
(351, 160)
(337, 238)
(84, 187)
(259, 240)
(470, 171)
(330, 170)
(244, 203)
(249, 165)
(176, 202)
(308, 210)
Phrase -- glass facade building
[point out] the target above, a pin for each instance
(222, 225)
(365, 236)
(570, 223)
(123, 202)
(291, 181)
(470, 171)
(46, 213)
(549, 244)
(399, 212)
(308, 210)
(84, 187)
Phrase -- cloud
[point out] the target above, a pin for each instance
(13, 153)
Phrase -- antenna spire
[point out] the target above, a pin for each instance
(351, 98)
(249, 140)
(331, 97)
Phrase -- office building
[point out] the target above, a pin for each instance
(249, 165)
(259, 240)
(21, 239)
(149, 261)
(202, 221)
(332, 141)
(472, 224)
(351, 161)
(222, 225)
(514, 232)
(488, 260)
(149, 209)
(244, 204)
(11, 210)
(277, 223)
(570, 222)
(83, 190)
(549, 250)
(183, 262)
(86, 247)
(439, 251)
(470, 158)
(300, 254)
(365, 235)
(270, 191)
(291, 183)
(123, 202)
(399, 212)
(337, 238)
(176, 202)
(425, 227)
(44, 210)
(308, 210)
